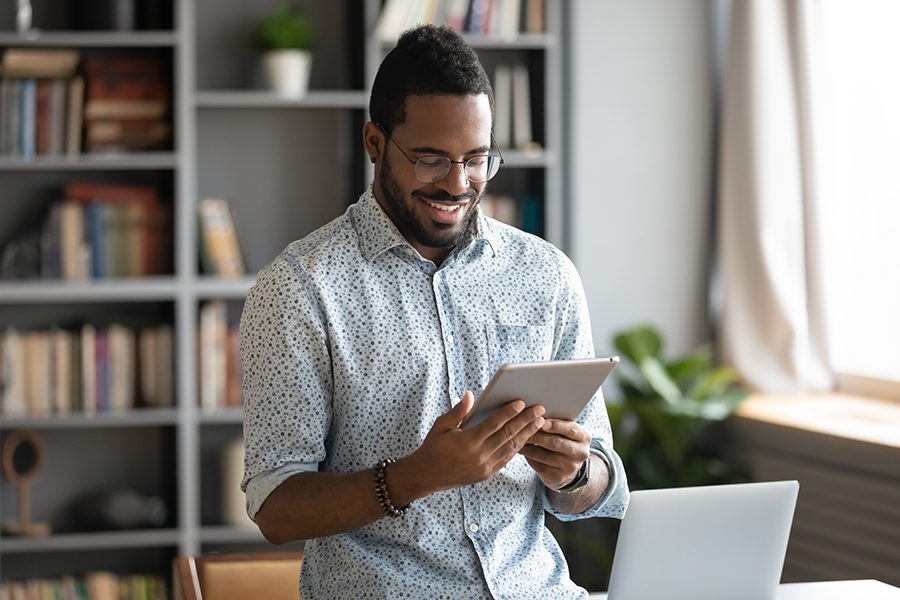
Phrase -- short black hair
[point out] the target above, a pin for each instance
(427, 60)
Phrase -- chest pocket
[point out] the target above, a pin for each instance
(518, 343)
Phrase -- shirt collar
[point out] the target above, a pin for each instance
(378, 234)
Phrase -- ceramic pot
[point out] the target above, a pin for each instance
(287, 72)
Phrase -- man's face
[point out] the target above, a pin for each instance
(434, 216)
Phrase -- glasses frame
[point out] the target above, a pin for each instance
(415, 161)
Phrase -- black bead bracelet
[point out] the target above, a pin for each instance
(384, 499)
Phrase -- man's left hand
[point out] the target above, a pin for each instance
(557, 451)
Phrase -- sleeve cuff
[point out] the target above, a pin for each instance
(260, 486)
(614, 500)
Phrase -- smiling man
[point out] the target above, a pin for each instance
(365, 342)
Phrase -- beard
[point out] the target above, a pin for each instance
(420, 229)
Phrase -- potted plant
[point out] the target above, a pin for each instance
(286, 37)
(662, 419)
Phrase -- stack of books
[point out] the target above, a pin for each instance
(89, 370)
(41, 103)
(126, 105)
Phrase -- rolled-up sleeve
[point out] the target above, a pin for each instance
(573, 340)
(287, 380)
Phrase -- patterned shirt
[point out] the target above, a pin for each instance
(353, 344)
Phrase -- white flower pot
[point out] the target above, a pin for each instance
(287, 72)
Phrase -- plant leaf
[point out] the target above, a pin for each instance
(655, 374)
(688, 367)
(712, 383)
(638, 343)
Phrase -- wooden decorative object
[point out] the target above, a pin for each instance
(22, 476)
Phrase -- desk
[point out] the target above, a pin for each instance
(864, 589)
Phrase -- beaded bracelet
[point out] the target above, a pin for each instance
(384, 499)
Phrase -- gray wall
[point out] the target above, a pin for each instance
(641, 114)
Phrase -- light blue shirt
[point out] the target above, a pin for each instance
(353, 344)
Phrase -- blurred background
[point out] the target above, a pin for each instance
(722, 173)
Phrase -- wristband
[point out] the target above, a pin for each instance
(580, 481)
(381, 490)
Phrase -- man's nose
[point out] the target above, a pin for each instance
(456, 182)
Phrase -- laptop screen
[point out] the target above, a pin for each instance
(723, 542)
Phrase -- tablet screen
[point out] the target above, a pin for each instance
(562, 387)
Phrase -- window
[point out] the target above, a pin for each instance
(857, 124)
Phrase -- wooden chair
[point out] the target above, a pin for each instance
(269, 575)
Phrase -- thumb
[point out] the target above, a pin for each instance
(455, 415)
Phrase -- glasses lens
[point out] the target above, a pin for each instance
(481, 168)
(431, 169)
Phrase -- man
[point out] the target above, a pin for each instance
(363, 343)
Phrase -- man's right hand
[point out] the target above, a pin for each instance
(451, 457)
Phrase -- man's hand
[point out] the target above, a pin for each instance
(451, 457)
(557, 451)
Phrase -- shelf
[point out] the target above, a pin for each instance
(535, 159)
(338, 99)
(91, 162)
(141, 538)
(222, 416)
(147, 289)
(210, 288)
(133, 418)
(229, 534)
(90, 39)
(522, 41)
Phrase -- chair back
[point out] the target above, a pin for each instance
(269, 575)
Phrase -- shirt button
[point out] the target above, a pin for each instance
(473, 527)
(449, 338)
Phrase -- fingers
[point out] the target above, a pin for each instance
(567, 429)
(453, 417)
(511, 425)
(559, 444)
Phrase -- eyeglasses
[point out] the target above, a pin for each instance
(431, 169)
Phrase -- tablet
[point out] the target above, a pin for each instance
(562, 387)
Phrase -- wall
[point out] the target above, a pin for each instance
(641, 118)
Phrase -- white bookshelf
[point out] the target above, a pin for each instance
(286, 167)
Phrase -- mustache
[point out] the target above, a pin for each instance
(445, 197)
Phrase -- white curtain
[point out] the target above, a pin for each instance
(809, 193)
(768, 235)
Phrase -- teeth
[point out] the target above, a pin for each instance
(444, 207)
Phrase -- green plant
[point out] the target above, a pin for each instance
(287, 28)
(661, 422)
(665, 410)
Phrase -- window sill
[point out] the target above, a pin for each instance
(841, 415)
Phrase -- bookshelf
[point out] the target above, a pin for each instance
(286, 167)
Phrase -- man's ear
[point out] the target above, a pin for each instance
(373, 140)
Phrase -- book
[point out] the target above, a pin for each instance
(133, 224)
(126, 104)
(28, 108)
(503, 106)
(534, 16)
(89, 369)
(120, 66)
(12, 373)
(213, 355)
(71, 241)
(37, 367)
(74, 115)
(39, 62)
(220, 250)
(521, 96)
(165, 364)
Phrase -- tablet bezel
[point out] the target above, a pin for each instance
(539, 383)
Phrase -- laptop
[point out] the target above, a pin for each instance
(721, 542)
